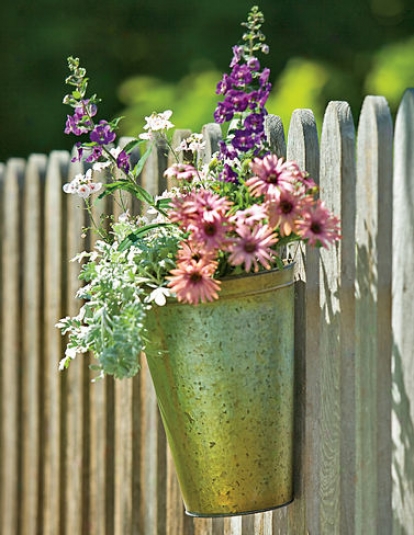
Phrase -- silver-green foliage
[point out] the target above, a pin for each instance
(120, 278)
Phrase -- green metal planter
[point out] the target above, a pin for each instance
(223, 374)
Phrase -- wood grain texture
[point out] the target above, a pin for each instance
(53, 345)
(402, 312)
(373, 318)
(303, 513)
(10, 345)
(32, 339)
(100, 425)
(74, 405)
(337, 416)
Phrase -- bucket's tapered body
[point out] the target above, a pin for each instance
(223, 374)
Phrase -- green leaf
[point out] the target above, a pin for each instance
(129, 147)
(141, 162)
(138, 234)
(134, 189)
(163, 203)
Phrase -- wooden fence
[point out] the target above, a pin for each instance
(82, 458)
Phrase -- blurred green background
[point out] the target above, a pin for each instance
(143, 56)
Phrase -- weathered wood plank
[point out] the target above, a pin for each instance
(232, 526)
(402, 313)
(152, 177)
(124, 450)
(275, 135)
(154, 510)
(100, 421)
(75, 498)
(33, 229)
(373, 318)
(303, 513)
(10, 345)
(337, 416)
(175, 512)
(263, 524)
(126, 514)
(53, 345)
(212, 136)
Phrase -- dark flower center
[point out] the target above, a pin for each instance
(195, 278)
(273, 178)
(210, 229)
(286, 207)
(316, 227)
(250, 247)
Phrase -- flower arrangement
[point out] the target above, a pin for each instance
(234, 215)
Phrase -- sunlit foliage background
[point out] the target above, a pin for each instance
(144, 56)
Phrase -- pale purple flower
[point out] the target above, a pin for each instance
(318, 226)
(271, 176)
(252, 247)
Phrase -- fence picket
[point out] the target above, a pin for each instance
(303, 147)
(153, 461)
(32, 339)
(100, 425)
(232, 526)
(212, 136)
(11, 346)
(75, 498)
(337, 183)
(52, 399)
(402, 312)
(373, 318)
(275, 135)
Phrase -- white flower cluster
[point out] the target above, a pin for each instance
(194, 143)
(156, 122)
(100, 166)
(82, 185)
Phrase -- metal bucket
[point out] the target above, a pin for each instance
(223, 374)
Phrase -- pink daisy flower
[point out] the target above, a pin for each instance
(211, 234)
(210, 205)
(193, 283)
(196, 205)
(252, 246)
(271, 176)
(181, 171)
(318, 226)
(284, 211)
(192, 253)
(251, 215)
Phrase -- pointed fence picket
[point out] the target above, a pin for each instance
(78, 457)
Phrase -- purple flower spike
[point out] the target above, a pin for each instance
(102, 133)
(237, 55)
(255, 122)
(224, 112)
(123, 161)
(72, 126)
(244, 140)
(95, 154)
(241, 74)
(224, 85)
